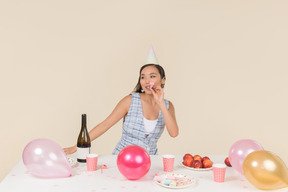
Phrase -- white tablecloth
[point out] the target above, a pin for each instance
(19, 179)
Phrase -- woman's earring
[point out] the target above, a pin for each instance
(142, 90)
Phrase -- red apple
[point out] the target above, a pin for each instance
(187, 155)
(188, 161)
(197, 164)
(207, 163)
(198, 157)
(227, 162)
(205, 158)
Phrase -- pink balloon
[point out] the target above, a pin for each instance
(45, 158)
(239, 151)
(133, 162)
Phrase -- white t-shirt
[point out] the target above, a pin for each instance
(149, 125)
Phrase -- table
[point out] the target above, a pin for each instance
(19, 179)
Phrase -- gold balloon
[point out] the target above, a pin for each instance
(265, 170)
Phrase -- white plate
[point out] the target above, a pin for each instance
(176, 178)
(72, 161)
(197, 169)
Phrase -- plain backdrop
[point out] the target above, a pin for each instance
(225, 60)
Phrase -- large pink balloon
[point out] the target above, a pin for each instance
(239, 151)
(45, 158)
(133, 162)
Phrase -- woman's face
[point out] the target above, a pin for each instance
(150, 77)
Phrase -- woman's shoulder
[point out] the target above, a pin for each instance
(127, 98)
(170, 104)
(168, 101)
(125, 102)
(135, 94)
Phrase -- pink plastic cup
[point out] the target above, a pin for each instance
(91, 160)
(168, 162)
(219, 172)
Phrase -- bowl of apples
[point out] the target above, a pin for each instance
(197, 162)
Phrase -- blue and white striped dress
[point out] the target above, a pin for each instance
(133, 131)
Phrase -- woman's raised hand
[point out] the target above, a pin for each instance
(158, 94)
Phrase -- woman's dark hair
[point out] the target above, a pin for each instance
(138, 87)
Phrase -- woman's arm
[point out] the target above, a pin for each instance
(168, 115)
(118, 113)
(170, 119)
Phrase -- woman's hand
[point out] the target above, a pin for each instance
(158, 94)
(70, 150)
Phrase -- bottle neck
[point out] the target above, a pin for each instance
(83, 121)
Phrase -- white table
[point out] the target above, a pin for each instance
(19, 179)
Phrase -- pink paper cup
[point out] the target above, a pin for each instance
(168, 163)
(219, 172)
(91, 160)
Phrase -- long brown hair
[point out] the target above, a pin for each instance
(161, 71)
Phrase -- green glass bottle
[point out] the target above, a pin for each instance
(83, 142)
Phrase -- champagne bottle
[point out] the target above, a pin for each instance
(83, 142)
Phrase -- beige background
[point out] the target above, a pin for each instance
(226, 64)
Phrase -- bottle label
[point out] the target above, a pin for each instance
(82, 153)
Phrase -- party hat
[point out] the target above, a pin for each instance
(151, 58)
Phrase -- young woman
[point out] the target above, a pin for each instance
(145, 113)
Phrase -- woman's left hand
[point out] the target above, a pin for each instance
(158, 94)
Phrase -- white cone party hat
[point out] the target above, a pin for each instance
(151, 58)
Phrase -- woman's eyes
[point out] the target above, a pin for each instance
(152, 76)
